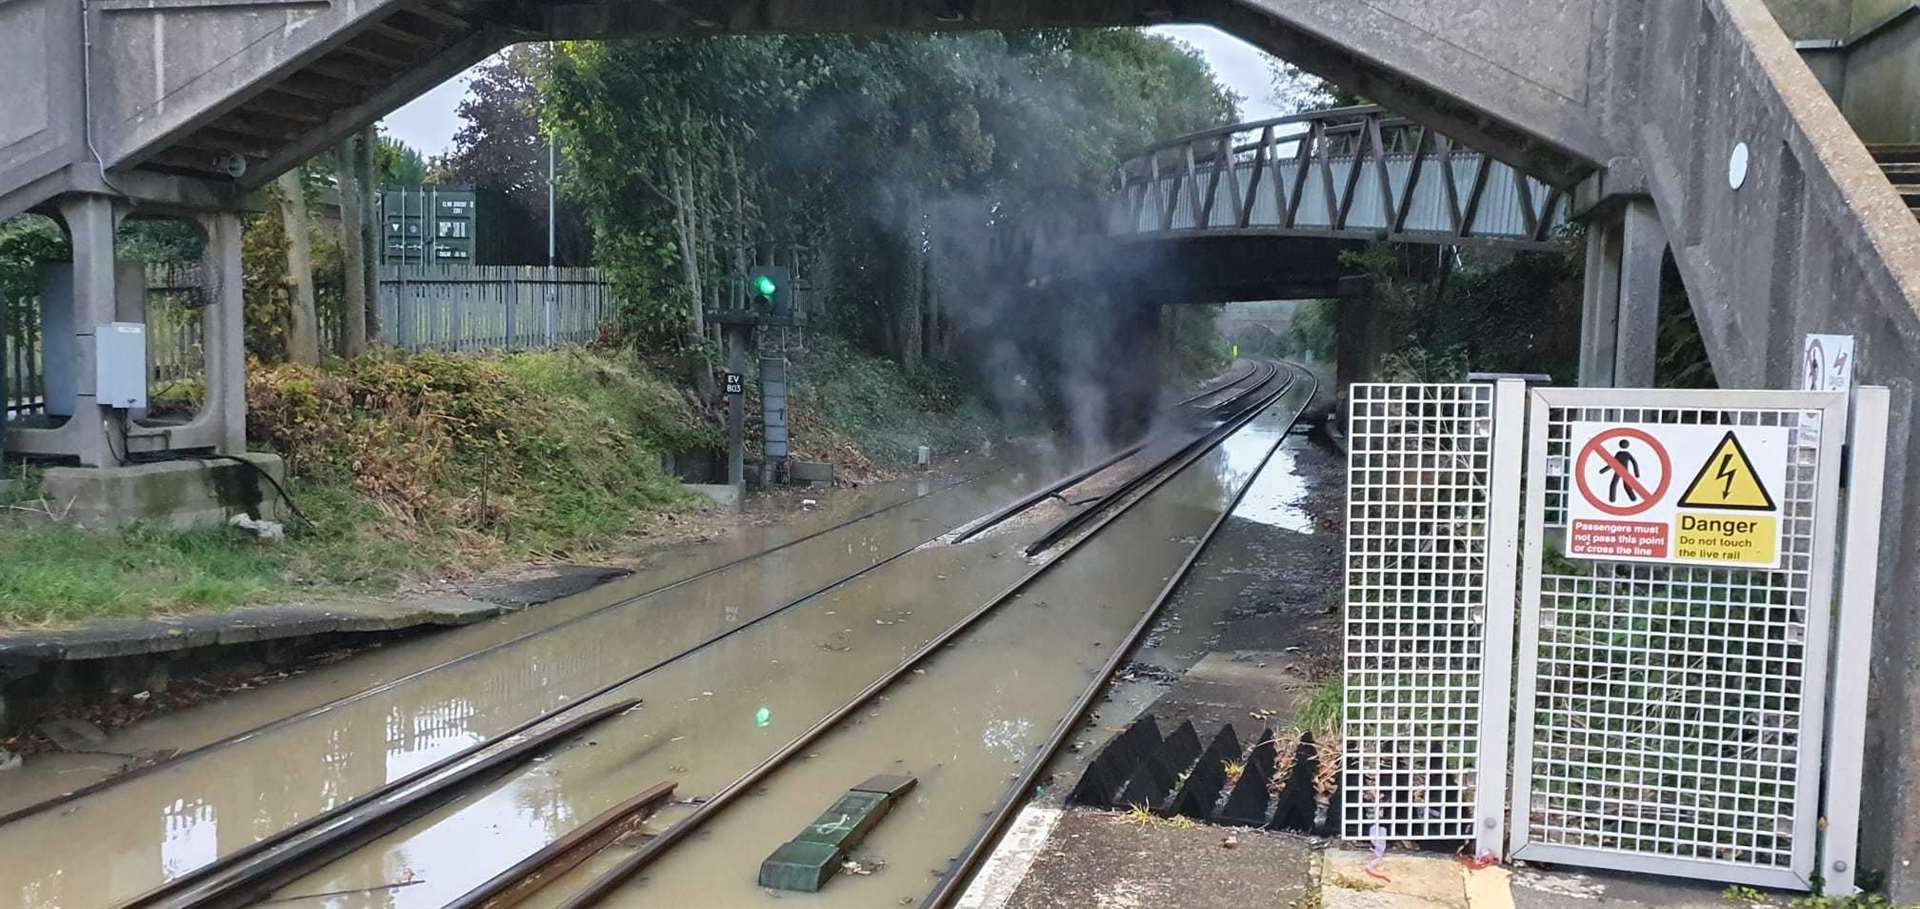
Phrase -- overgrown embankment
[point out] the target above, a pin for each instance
(407, 467)
(868, 415)
(421, 466)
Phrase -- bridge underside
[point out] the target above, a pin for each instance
(1221, 267)
(195, 90)
(1633, 106)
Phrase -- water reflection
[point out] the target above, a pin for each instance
(1276, 496)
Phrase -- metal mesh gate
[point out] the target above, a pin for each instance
(1428, 640)
(1669, 717)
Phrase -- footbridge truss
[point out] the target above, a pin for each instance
(1357, 173)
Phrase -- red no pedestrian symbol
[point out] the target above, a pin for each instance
(1626, 457)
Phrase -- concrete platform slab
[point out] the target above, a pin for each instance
(1397, 880)
(129, 637)
(1105, 860)
(1567, 888)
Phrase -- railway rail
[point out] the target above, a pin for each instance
(1268, 386)
(251, 873)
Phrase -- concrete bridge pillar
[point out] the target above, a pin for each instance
(1620, 314)
(78, 298)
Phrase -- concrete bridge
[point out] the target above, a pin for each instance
(1689, 126)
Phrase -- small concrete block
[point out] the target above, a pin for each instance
(180, 494)
(890, 785)
(802, 867)
(810, 472)
(726, 497)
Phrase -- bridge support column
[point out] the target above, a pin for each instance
(1356, 335)
(78, 299)
(1134, 359)
(1620, 315)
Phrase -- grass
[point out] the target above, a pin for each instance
(426, 464)
(409, 466)
(1322, 712)
(57, 573)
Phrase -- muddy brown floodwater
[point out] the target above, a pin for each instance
(981, 709)
(147, 830)
(762, 673)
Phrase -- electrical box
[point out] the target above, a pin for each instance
(120, 363)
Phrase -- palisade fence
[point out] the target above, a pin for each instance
(175, 296)
(450, 308)
(492, 307)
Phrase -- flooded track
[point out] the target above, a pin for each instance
(707, 716)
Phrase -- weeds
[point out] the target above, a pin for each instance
(1232, 771)
(1140, 814)
(1748, 896)
(883, 410)
(1323, 711)
(527, 454)
(408, 466)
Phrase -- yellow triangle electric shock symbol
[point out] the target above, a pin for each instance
(1728, 480)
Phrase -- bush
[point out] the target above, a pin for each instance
(883, 409)
(526, 453)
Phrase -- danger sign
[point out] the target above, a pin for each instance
(1625, 503)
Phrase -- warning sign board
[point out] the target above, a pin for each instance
(1827, 363)
(1648, 492)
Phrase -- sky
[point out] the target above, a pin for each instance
(428, 122)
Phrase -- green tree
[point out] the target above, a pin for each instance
(396, 162)
(904, 161)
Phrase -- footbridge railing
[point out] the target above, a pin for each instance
(1358, 172)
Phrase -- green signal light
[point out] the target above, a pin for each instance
(765, 285)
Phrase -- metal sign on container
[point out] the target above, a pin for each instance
(1702, 495)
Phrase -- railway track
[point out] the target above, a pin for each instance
(249, 873)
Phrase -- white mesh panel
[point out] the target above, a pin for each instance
(1418, 501)
(1666, 710)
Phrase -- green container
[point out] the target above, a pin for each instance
(802, 867)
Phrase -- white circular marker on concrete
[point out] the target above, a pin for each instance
(1737, 166)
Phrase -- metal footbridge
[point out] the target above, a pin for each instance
(1354, 173)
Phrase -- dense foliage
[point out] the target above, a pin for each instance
(902, 160)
